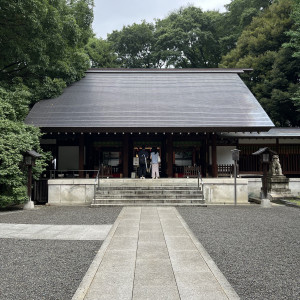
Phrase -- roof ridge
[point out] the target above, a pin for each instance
(185, 70)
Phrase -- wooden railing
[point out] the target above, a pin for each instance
(105, 171)
(225, 170)
(191, 171)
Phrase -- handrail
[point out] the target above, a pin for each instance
(97, 182)
(200, 179)
(98, 178)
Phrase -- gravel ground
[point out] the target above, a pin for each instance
(62, 215)
(43, 269)
(257, 249)
(48, 269)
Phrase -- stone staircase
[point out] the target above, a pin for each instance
(167, 192)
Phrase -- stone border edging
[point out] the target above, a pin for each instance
(92, 270)
(290, 204)
(226, 286)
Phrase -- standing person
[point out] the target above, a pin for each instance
(143, 155)
(155, 162)
(53, 165)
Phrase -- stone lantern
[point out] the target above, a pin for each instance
(265, 158)
(274, 183)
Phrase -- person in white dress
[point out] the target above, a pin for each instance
(155, 162)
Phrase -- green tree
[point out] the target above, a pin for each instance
(44, 38)
(239, 14)
(134, 45)
(15, 139)
(42, 51)
(294, 44)
(188, 38)
(101, 54)
(275, 76)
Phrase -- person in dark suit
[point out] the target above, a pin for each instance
(143, 156)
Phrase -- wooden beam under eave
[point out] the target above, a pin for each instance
(81, 155)
(125, 156)
(169, 148)
(214, 155)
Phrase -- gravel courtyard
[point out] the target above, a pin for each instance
(257, 249)
(48, 269)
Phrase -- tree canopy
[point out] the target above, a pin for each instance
(274, 80)
(294, 44)
(239, 14)
(187, 38)
(134, 45)
(42, 46)
(101, 54)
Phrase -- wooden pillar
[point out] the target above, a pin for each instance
(203, 157)
(214, 155)
(207, 158)
(125, 156)
(277, 145)
(81, 155)
(169, 156)
(194, 156)
(130, 155)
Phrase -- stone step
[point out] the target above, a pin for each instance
(148, 204)
(163, 182)
(149, 197)
(173, 202)
(150, 192)
(149, 188)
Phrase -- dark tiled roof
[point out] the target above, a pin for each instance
(200, 99)
(283, 132)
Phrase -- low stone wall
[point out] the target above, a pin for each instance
(295, 186)
(70, 191)
(221, 191)
(254, 187)
(255, 184)
(81, 191)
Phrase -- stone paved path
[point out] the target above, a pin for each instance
(150, 253)
(54, 232)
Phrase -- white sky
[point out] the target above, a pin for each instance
(111, 15)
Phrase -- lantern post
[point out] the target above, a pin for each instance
(235, 158)
(29, 160)
(265, 159)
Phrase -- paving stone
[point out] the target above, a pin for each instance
(160, 262)
(157, 292)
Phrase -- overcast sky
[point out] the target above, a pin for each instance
(111, 15)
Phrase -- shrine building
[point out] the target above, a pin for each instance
(103, 119)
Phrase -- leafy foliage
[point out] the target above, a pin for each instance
(134, 45)
(238, 16)
(101, 54)
(294, 44)
(274, 80)
(42, 51)
(187, 38)
(15, 139)
(42, 39)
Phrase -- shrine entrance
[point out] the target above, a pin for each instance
(181, 155)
